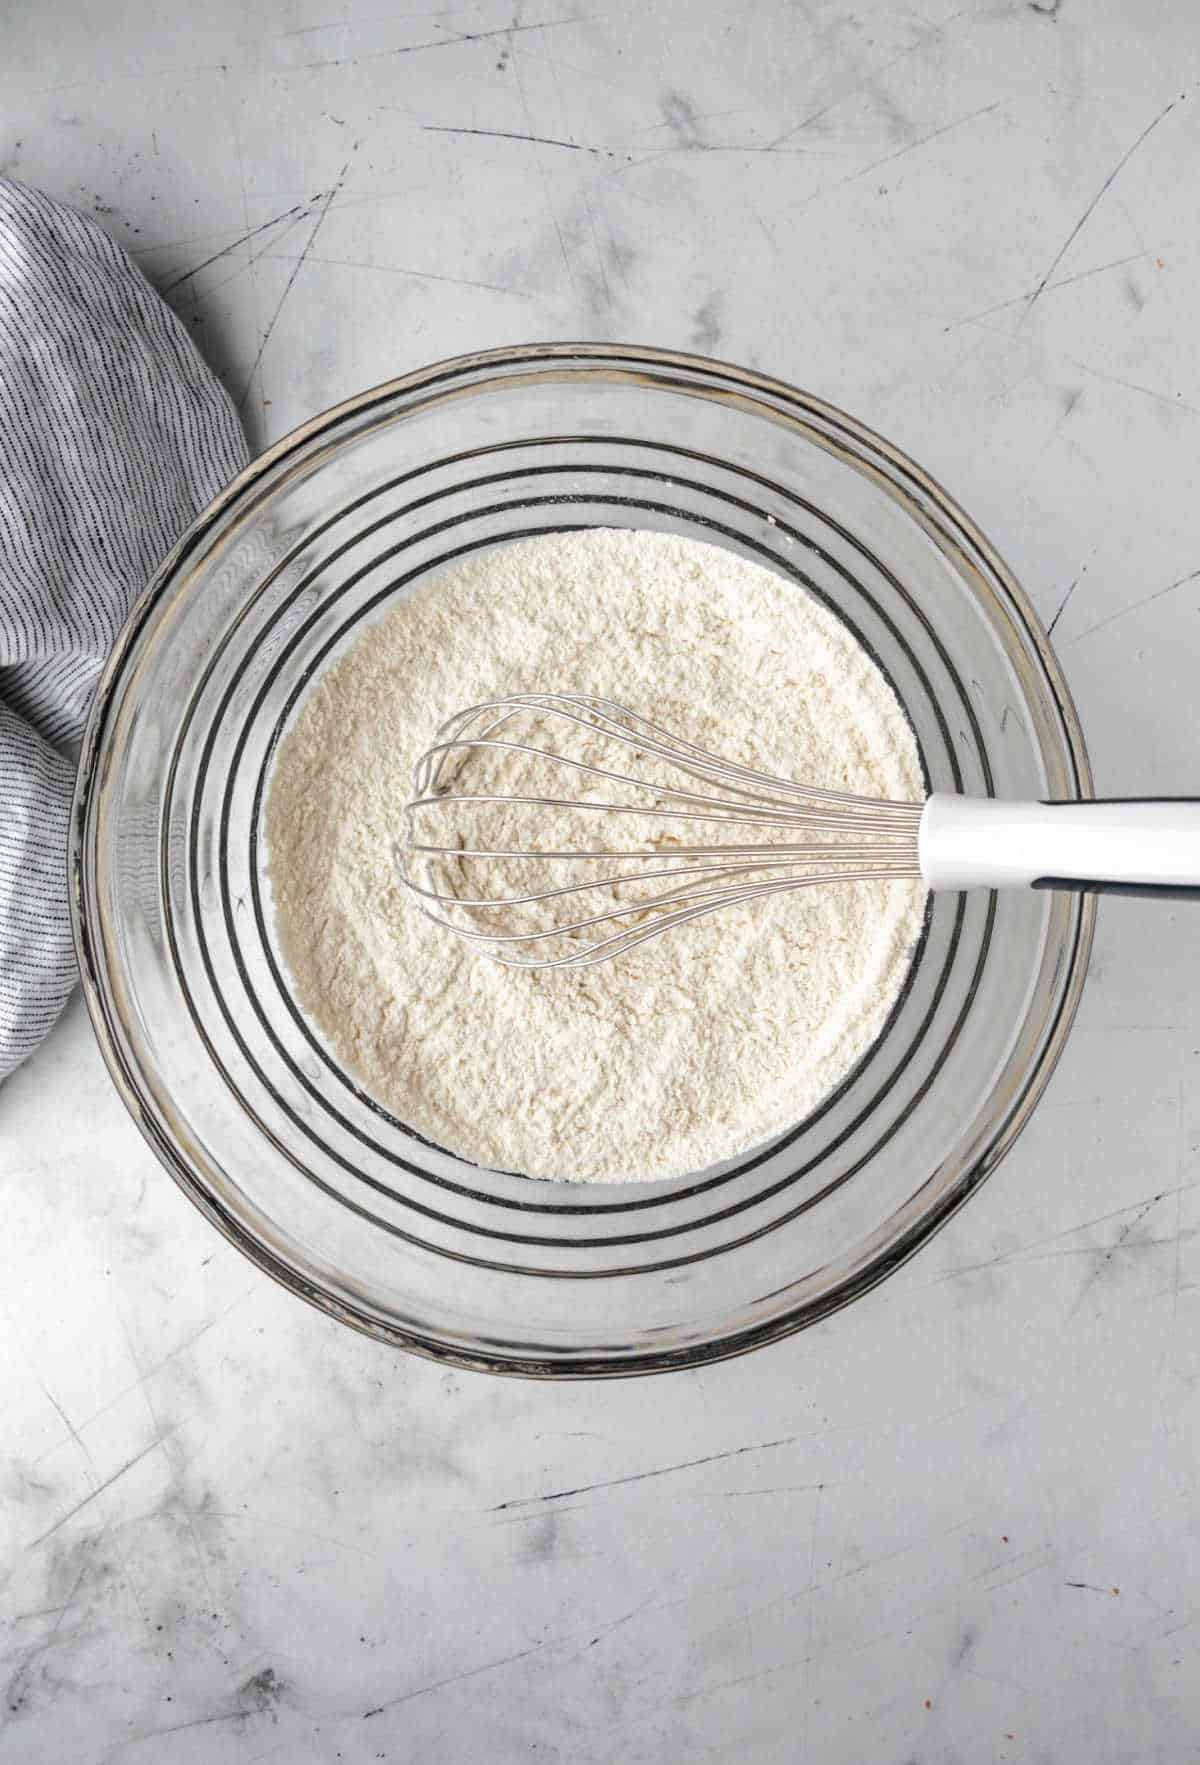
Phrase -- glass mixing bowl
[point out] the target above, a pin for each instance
(282, 1150)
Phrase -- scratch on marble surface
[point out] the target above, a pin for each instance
(245, 267)
(162, 1435)
(161, 245)
(1088, 212)
(1118, 1243)
(556, 63)
(698, 116)
(768, 1489)
(99, 1490)
(735, 1452)
(689, 147)
(1173, 401)
(297, 210)
(15, 1690)
(909, 147)
(271, 1752)
(925, 38)
(152, 1369)
(291, 281)
(142, 74)
(135, 1740)
(251, 1519)
(350, 263)
(1049, 288)
(573, 1642)
(1065, 602)
(1135, 606)
(422, 1691)
(811, 1627)
(1030, 1252)
(710, 1691)
(546, 196)
(1042, 1555)
(647, 1608)
(452, 40)
(513, 135)
(58, 1409)
(598, 254)
(1177, 1276)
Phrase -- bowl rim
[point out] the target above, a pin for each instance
(99, 994)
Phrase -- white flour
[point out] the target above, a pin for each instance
(691, 1048)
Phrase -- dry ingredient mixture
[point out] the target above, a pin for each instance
(691, 1048)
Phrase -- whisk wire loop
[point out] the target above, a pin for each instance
(840, 837)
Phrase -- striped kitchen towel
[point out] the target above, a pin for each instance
(113, 436)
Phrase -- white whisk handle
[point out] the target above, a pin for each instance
(1122, 846)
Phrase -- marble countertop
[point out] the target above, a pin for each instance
(959, 1521)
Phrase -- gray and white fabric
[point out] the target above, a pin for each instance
(113, 435)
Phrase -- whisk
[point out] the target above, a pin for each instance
(802, 837)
